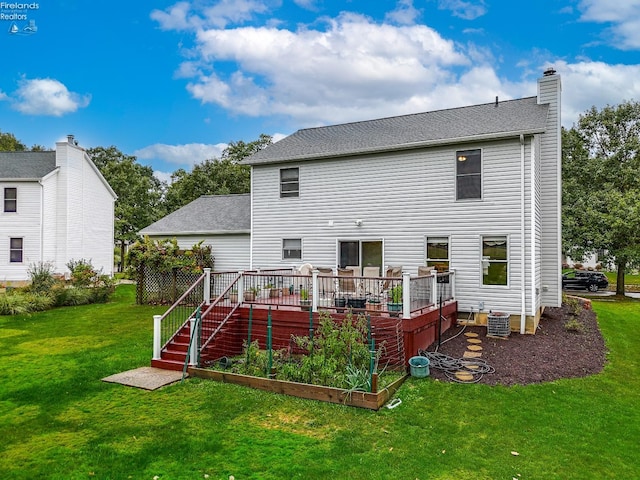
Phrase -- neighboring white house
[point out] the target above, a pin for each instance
(56, 207)
(475, 189)
(222, 221)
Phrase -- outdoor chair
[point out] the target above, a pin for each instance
(346, 282)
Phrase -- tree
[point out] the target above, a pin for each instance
(139, 193)
(601, 186)
(9, 143)
(215, 176)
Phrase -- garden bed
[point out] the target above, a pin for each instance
(372, 401)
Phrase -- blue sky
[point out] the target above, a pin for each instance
(174, 82)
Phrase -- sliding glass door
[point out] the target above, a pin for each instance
(360, 253)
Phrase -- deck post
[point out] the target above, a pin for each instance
(193, 330)
(240, 286)
(314, 289)
(157, 337)
(434, 287)
(406, 296)
(207, 286)
(452, 281)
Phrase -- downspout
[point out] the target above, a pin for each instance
(523, 290)
(532, 222)
(251, 223)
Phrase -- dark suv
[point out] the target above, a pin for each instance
(583, 279)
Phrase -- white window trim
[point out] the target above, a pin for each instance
(507, 261)
(291, 258)
(281, 183)
(21, 250)
(426, 253)
(455, 174)
(4, 200)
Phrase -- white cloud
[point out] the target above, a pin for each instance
(624, 17)
(46, 96)
(188, 154)
(352, 68)
(468, 10)
(306, 4)
(3, 96)
(224, 12)
(586, 84)
(163, 176)
(404, 14)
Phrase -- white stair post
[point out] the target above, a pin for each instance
(406, 296)
(452, 280)
(193, 341)
(240, 286)
(434, 287)
(314, 289)
(207, 286)
(157, 337)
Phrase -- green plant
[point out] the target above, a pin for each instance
(304, 294)
(574, 325)
(82, 272)
(41, 275)
(395, 294)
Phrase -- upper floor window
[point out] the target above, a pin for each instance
(289, 182)
(438, 253)
(468, 174)
(15, 250)
(495, 261)
(291, 248)
(10, 199)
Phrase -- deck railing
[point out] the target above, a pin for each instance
(219, 293)
(165, 326)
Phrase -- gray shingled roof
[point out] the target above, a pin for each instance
(209, 214)
(476, 122)
(26, 165)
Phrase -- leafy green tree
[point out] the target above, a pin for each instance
(139, 202)
(601, 186)
(9, 143)
(221, 176)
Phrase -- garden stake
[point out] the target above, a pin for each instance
(249, 336)
(269, 344)
(311, 325)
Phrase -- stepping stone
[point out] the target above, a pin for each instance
(474, 348)
(473, 367)
(470, 334)
(471, 355)
(464, 376)
(474, 340)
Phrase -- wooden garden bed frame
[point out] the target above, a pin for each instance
(372, 401)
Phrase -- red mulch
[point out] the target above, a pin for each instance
(554, 352)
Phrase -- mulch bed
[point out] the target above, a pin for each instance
(554, 352)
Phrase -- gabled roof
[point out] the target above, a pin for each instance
(26, 165)
(477, 122)
(209, 214)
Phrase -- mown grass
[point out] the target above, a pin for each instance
(58, 420)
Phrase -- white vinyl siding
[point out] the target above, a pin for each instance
(550, 193)
(400, 198)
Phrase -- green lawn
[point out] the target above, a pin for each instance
(58, 420)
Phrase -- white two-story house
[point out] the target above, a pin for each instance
(476, 190)
(56, 206)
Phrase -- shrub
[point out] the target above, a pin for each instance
(578, 266)
(82, 272)
(41, 274)
(20, 303)
(574, 325)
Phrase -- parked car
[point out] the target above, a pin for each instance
(583, 279)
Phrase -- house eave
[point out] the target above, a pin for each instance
(183, 233)
(404, 146)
